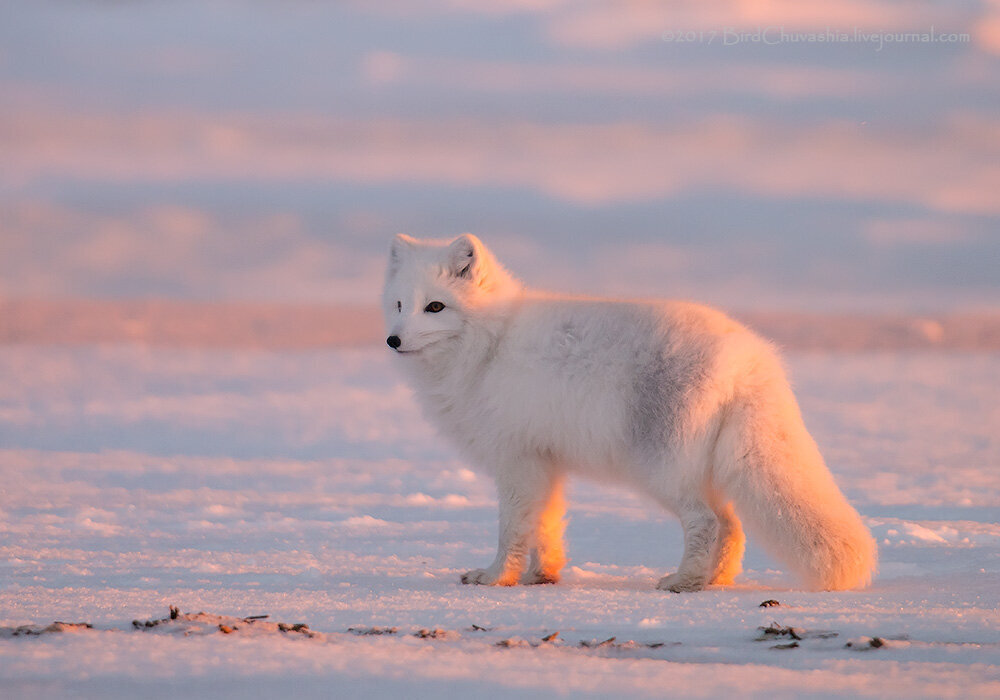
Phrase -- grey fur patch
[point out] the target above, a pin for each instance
(665, 379)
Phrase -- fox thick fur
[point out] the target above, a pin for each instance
(675, 400)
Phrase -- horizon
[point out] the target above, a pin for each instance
(192, 151)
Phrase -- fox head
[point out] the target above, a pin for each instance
(431, 287)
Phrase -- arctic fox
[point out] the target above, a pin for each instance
(673, 399)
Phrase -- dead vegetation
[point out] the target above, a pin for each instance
(202, 623)
(775, 632)
(55, 627)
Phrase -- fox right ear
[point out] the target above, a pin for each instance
(465, 256)
(401, 245)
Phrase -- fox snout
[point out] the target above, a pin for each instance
(394, 342)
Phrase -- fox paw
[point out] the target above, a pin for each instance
(531, 578)
(481, 577)
(676, 583)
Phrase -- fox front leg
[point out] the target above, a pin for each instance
(548, 555)
(524, 493)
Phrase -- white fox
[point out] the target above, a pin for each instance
(673, 399)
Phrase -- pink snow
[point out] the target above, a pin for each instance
(303, 484)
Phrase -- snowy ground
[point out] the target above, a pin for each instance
(305, 486)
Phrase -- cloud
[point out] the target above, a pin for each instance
(609, 25)
(953, 166)
(163, 250)
(987, 27)
(614, 24)
(912, 231)
(385, 68)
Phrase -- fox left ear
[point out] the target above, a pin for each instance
(464, 256)
(401, 245)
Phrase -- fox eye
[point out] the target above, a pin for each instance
(434, 307)
(399, 306)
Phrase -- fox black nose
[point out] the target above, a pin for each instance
(394, 341)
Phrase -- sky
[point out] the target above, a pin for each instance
(839, 156)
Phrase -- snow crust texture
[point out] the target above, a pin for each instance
(304, 486)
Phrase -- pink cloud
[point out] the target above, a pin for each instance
(388, 68)
(608, 24)
(953, 166)
(615, 24)
(53, 251)
(987, 28)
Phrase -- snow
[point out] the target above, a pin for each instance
(304, 485)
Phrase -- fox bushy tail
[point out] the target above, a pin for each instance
(774, 473)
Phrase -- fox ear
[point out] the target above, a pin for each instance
(464, 256)
(401, 245)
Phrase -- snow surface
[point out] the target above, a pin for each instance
(305, 486)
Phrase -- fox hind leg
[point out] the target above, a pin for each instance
(729, 546)
(701, 532)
